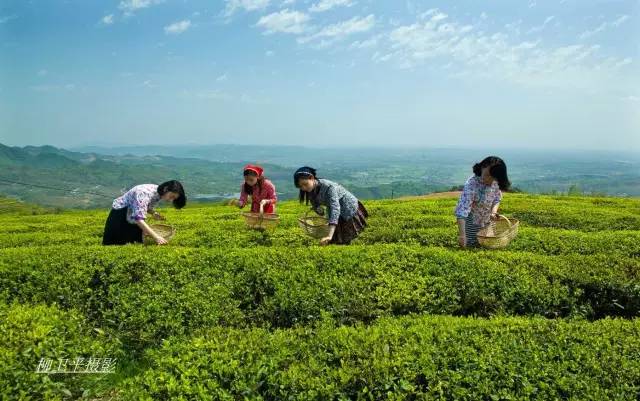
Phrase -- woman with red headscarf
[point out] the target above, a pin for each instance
(261, 190)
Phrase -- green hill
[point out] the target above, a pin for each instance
(225, 313)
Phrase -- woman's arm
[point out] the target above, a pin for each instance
(332, 230)
(494, 209)
(243, 197)
(270, 193)
(496, 204)
(149, 231)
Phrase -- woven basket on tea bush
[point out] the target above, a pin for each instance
(164, 230)
(499, 233)
(315, 226)
(261, 221)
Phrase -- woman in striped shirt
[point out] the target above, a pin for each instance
(480, 199)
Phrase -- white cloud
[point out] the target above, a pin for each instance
(604, 26)
(342, 29)
(107, 19)
(539, 28)
(131, 6)
(326, 5)
(222, 78)
(177, 27)
(284, 21)
(269, 53)
(471, 52)
(247, 5)
(588, 34)
(620, 20)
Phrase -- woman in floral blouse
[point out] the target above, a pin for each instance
(126, 221)
(480, 199)
(262, 190)
(347, 215)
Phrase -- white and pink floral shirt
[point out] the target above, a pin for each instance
(140, 200)
(478, 199)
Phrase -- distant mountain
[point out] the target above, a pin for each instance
(92, 178)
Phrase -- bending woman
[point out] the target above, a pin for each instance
(126, 222)
(261, 190)
(480, 199)
(347, 215)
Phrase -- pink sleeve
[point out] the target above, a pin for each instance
(270, 192)
(243, 196)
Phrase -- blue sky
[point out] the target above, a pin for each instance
(540, 74)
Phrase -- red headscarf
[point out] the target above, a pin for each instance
(256, 169)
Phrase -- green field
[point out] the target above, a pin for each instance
(225, 313)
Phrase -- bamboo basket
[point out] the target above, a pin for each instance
(499, 233)
(164, 230)
(260, 221)
(315, 226)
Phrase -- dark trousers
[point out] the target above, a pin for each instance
(118, 231)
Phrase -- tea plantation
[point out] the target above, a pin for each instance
(226, 313)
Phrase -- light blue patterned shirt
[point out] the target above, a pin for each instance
(339, 201)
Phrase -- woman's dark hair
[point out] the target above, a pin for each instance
(497, 169)
(176, 187)
(247, 188)
(303, 172)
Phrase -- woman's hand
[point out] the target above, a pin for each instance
(495, 216)
(161, 241)
(462, 241)
(325, 240)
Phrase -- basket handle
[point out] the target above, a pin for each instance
(502, 216)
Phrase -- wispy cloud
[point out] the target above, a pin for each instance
(247, 5)
(438, 40)
(107, 19)
(129, 7)
(604, 26)
(342, 29)
(222, 78)
(326, 5)
(284, 21)
(177, 27)
(541, 27)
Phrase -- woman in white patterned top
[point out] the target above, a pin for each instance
(480, 199)
(126, 221)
